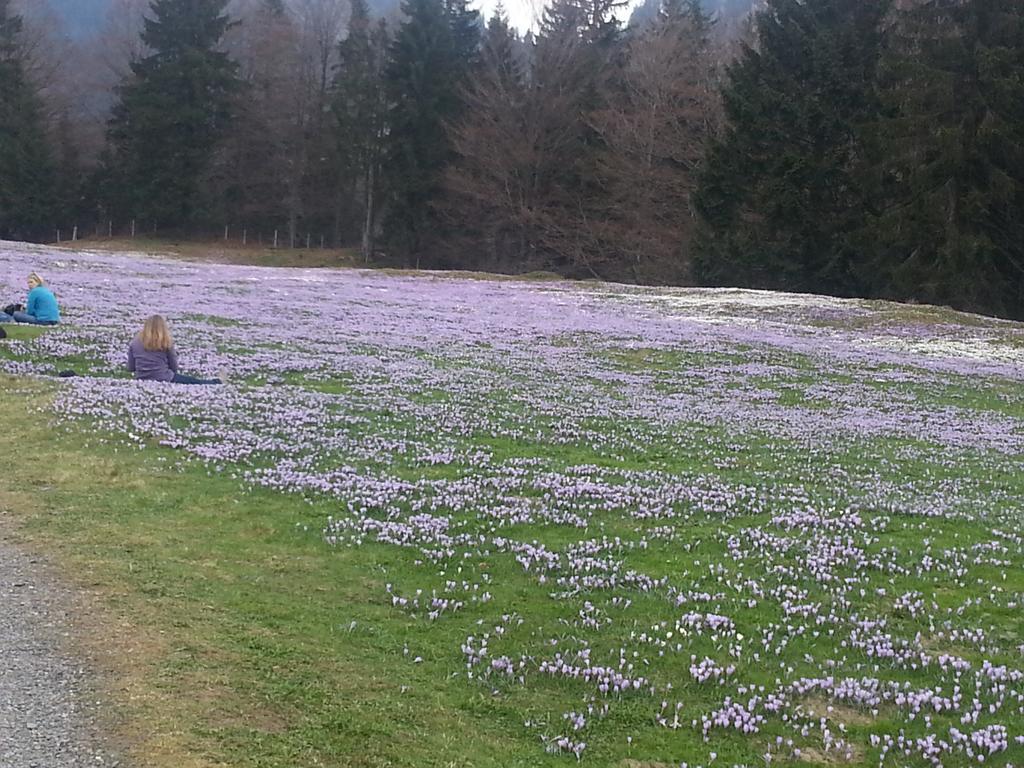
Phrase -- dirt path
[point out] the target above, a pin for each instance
(47, 717)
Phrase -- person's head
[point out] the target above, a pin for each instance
(34, 281)
(156, 336)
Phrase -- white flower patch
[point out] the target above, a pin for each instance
(725, 298)
(976, 348)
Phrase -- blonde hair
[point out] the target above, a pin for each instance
(155, 335)
(35, 278)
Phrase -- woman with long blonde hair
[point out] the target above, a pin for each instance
(41, 306)
(152, 357)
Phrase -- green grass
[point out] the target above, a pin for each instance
(244, 640)
(254, 252)
(20, 332)
(267, 648)
(17, 346)
(262, 646)
(262, 253)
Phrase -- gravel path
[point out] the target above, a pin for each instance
(45, 714)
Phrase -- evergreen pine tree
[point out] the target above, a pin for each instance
(426, 73)
(653, 130)
(26, 166)
(779, 198)
(499, 52)
(563, 18)
(172, 114)
(360, 109)
(574, 58)
(699, 22)
(950, 157)
(69, 173)
(601, 24)
(465, 26)
(256, 165)
(490, 184)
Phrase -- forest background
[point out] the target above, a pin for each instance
(849, 147)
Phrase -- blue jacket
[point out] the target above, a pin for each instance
(42, 305)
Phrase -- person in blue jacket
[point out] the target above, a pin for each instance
(41, 307)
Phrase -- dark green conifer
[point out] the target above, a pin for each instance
(359, 104)
(425, 77)
(779, 198)
(465, 26)
(172, 114)
(498, 53)
(26, 165)
(949, 158)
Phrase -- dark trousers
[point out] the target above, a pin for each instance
(181, 378)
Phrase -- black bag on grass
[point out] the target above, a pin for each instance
(3, 333)
(10, 309)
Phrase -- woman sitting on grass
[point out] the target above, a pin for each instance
(151, 355)
(41, 308)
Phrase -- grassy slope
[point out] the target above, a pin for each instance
(254, 253)
(236, 641)
(23, 332)
(242, 640)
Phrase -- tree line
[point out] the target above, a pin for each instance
(850, 147)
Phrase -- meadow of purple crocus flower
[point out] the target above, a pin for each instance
(717, 527)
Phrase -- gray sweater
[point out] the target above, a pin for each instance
(159, 365)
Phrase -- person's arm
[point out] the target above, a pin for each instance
(172, 359)
(32, 302)
(131, 359)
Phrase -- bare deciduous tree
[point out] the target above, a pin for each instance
(583, 157)
(120, 40)
(322, 24)
(313, 193)
(522, 150)
(658, 115)
(262, 164)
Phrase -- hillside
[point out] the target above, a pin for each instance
(433, 520)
